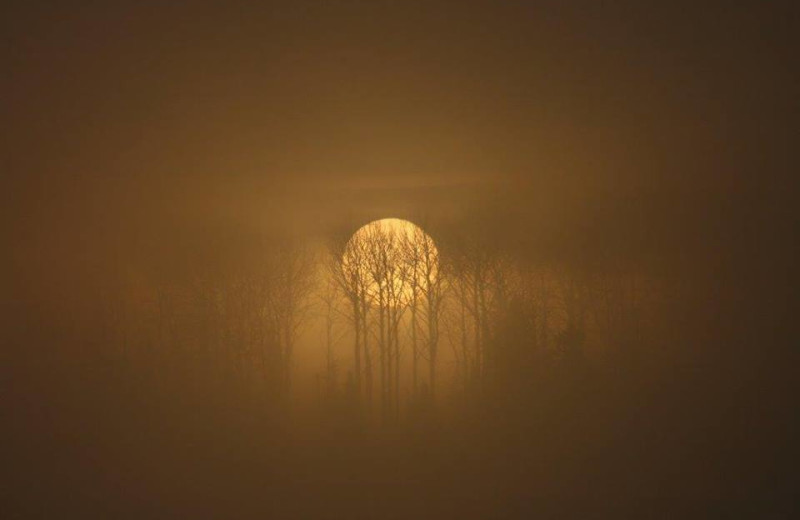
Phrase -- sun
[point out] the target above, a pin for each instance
(390, 261)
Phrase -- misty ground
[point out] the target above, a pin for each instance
(636, 441)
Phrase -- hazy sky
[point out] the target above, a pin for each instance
(133, 114)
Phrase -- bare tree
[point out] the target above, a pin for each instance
(385, 272)
(329, 295)
(292, 270)
(347, 264)
(433, 290)
(379, 264)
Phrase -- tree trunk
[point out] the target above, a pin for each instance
(467, 368)
(365, 345)
(389, 361)
(433, 342)
(382, 352)
(396, 369)
(414, 353)
(357, 348)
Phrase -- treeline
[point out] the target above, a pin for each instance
(211, 323)
(446, 315)
(476, 310)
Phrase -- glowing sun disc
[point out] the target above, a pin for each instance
(390, 260)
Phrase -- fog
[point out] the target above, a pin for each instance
(622, 177)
